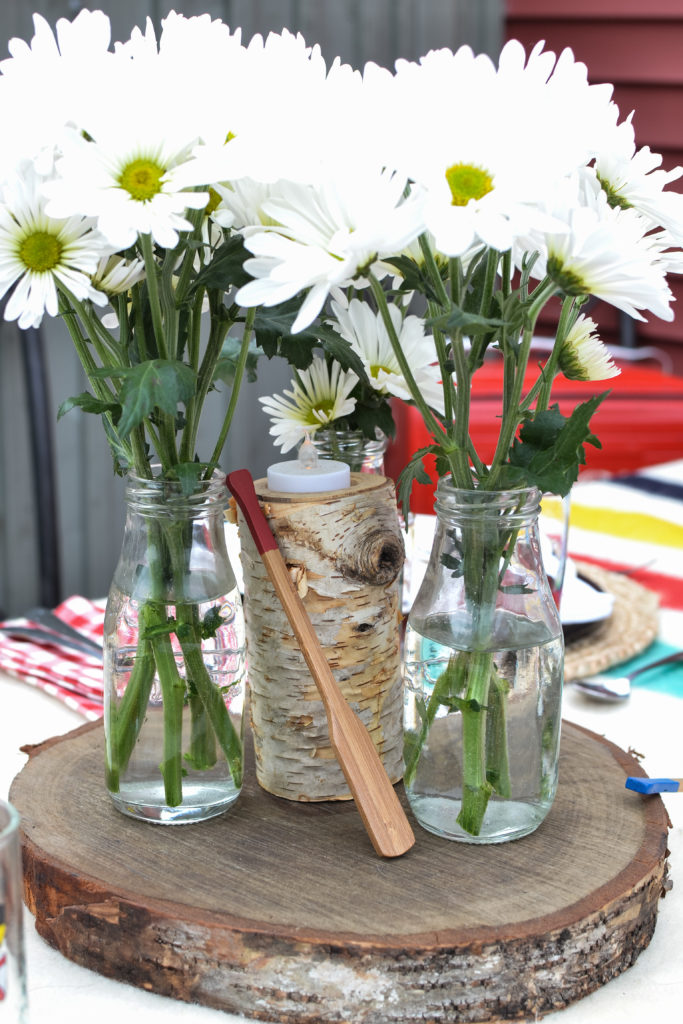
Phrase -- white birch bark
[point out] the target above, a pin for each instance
(345, 553)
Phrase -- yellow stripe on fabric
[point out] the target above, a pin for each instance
(630, 525)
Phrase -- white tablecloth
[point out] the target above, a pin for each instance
(652, 990)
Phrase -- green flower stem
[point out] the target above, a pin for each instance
(512, 414)
(140, 337)
(173, 696)
(187, 267)
(234, 394)
(433, 271)
(462, 477)
(430, 420)
(193, 343)
(497, 757)
(188, 632)
(202, 754)
(124, 324)
(476, 789)
(550, 369)
(442, 356)
(213, 701)
(100, 388)
(450, 684)
(168, 304)
(492, 261)
(506, 273)
(126, 718)
(153, 292)
(218, 330)
(483, 549)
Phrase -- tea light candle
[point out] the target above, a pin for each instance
(308, 473)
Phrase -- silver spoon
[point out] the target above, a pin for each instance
(618, 688)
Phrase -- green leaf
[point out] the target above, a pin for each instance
(457, 319)
(414, 470)
(226, 365)
(550, 447)
(340, 349)
(226, 269)
(211, 622)
(368, 415)
(188, 475)
(273, 332)
(154, 384)
(88, 403)
(454, 563)
(414, 277)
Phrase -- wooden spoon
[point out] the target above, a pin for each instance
(376, 800)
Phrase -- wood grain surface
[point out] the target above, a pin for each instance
(282, 911)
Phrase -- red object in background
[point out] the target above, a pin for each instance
(639, 424)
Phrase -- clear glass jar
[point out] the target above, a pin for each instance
(483, 672)
(174, 657)
(362, 454)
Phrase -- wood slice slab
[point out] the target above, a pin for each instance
(282, 911)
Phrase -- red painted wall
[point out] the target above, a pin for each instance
(637, 45)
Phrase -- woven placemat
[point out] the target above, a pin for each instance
(632, 626)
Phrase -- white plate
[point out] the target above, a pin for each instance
(581, 603)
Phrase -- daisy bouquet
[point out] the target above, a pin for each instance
(516, 185)
(112, 217)
(289, 201)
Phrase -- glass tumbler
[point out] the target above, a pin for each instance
(13, 998)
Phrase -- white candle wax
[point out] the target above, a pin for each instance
(296, 478)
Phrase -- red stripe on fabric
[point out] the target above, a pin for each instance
(669, 588)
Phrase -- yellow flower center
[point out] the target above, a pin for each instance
(213, 203)
(40, 252)
(614, 197)
(322, 409)
(568, 280)
(142, 179)
(377, 368)
(468, 182)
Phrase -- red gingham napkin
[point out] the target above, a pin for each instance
(74, 678)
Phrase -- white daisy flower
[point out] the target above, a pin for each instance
(38, 253)
(42, 84)
(485, 185)
(326, 237)
(631, 180)
(583, 355)
(603, 251)
(132, 182)
(186, 48)
(240, 204)
(115, 275)
(366, 333)
(319, 396)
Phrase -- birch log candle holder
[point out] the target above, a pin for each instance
(344, 551)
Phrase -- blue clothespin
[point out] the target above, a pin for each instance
(650, 786)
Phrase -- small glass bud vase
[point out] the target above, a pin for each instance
(174, 653)
(362, 454)
(483, 672)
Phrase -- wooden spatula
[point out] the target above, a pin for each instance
(378, 805)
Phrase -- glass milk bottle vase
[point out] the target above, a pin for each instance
(362, 454)
(174, 657)
(483, 670)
